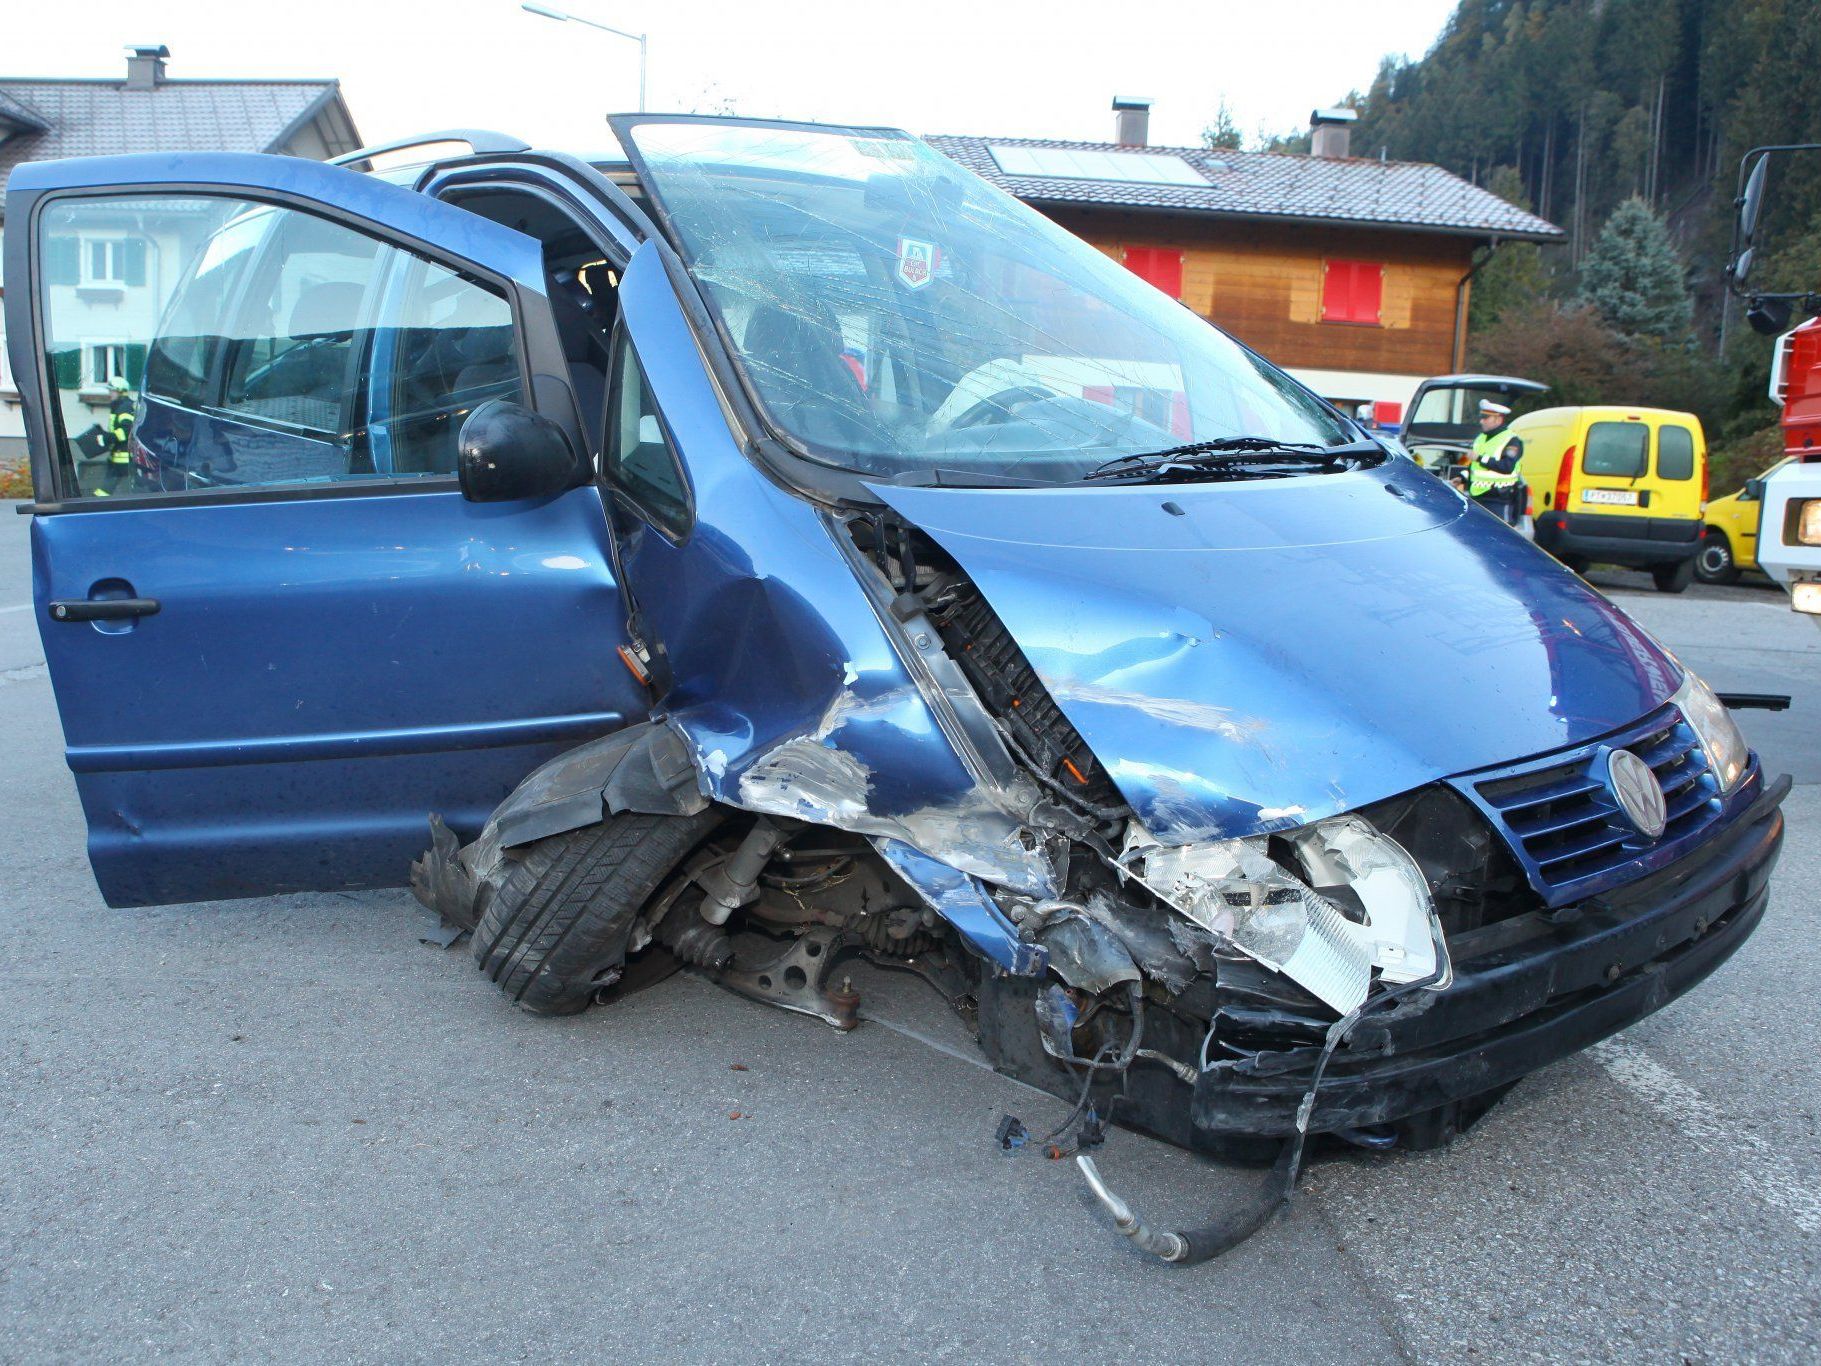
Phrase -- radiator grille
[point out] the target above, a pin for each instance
(1561, 819)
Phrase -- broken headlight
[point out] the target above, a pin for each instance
(1356, 902)
(1718, 734)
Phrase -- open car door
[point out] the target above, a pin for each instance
(279, 636)
(1443, 417)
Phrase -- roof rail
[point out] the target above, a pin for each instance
(480, 140)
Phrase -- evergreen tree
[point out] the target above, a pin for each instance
(1223, 133)
(1633, 279)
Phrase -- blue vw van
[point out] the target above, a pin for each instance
(777, 547)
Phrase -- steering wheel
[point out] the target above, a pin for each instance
(1003, 406)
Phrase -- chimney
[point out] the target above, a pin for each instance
(1131, 121)
(145, 65)
(1330, 130)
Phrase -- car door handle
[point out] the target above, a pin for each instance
(103, 609)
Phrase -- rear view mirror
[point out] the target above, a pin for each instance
(506, 451)
(1751, 203)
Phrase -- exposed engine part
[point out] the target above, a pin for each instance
(1228, 1230)
(900, 930)
(1183, 1071)
(696, 941)
(730, 885)
(1058, 1014)
(796, 976)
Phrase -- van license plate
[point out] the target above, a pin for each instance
(1621, 497)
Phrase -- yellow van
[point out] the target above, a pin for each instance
(1617, 485)
(1729, 543)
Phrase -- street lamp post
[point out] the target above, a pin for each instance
(548, 13)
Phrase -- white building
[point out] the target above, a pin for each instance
(119, 271)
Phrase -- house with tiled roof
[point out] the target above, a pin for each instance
(1354, 273)
(43, 119)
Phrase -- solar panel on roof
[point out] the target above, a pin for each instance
(1064, 163)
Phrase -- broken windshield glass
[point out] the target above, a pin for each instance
(894, 314)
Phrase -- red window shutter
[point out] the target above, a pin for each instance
(1158, 266)
(1352, 291)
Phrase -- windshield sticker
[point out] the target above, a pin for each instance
(916, 262)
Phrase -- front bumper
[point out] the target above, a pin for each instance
(1526, 992)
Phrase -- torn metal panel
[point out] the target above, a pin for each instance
(1246, 662)
(790, 691)
(965, 904)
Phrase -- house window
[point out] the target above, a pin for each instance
(104, 262)
(1352, 291)
(104, 360)
(1158, 266)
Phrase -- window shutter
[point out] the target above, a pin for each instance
(62, 260)
(133, 262)
(135, 362)
(1158, 266)
(1352, 291)
(66, 368)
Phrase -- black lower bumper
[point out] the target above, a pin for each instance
(1641, 542)
(1526, 992)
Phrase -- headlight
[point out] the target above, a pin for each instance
(1726, 750)
(1808, 522)
(1244, 897)
(1805, 596)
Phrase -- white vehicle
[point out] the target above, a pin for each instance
(1789, 537)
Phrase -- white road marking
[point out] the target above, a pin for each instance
(1763, 1169)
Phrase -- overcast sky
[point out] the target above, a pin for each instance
(1000, 67)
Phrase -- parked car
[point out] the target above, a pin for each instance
(1618, 485)
(605, 538)
(1729, 535)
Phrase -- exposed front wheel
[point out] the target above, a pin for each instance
(1715, 563)
(1673, 578)
(555, 932)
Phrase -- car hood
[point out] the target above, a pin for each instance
(1246, 656)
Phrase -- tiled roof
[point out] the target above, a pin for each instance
(100, 118)
(1397, 194)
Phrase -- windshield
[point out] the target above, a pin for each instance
(896, 315)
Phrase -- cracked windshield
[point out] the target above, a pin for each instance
(894, 315)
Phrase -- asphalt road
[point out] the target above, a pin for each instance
(288, 1127)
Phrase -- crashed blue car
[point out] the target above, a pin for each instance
(777, 546)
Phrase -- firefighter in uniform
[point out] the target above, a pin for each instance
(118, 468)
(1492, 478)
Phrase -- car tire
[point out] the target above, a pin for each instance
(1714, 563)
(555, 931)
(1674, 578)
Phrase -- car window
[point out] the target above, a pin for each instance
(261, 346)
(1620, 449)
(638, 459)
(1675, 453)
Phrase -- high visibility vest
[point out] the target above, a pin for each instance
(1480, 479)
(119, 428)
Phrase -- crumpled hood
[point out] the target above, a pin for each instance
(1255, 655)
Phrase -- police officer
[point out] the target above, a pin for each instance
(1492, 478)
(118, 468)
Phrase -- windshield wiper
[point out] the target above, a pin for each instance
(1198, 459)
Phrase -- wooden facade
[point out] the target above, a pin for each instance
(1265, 282)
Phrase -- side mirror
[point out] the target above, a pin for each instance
(1753, 491)
(1768, 317)
(506, 452)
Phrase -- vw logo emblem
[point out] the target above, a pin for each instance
(1639, 794)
